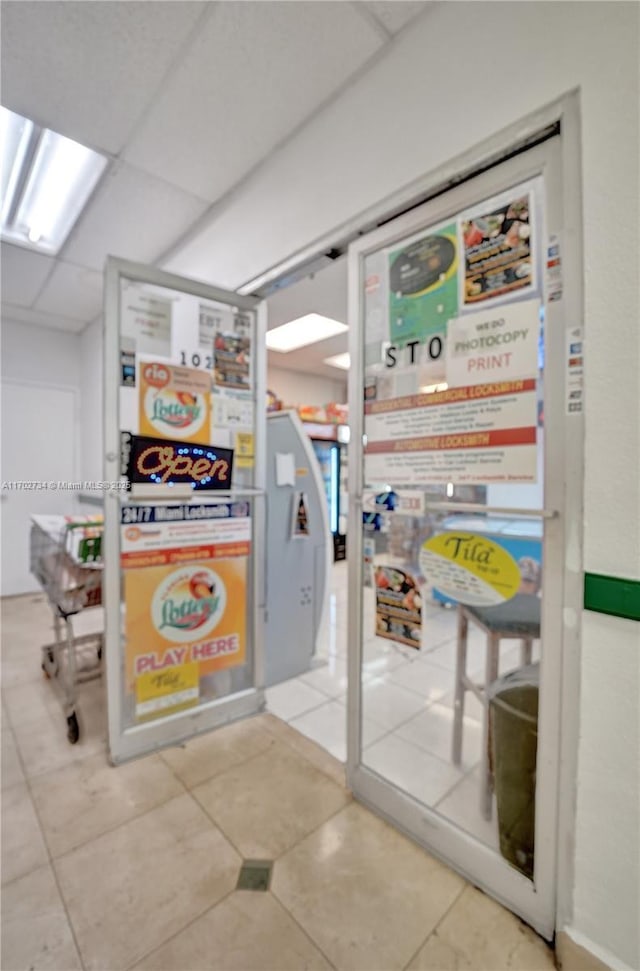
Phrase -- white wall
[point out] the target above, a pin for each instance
(298, 388)
(39, 355)
(91, 384)
(460, 74)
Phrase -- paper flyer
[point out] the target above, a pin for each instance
(182, 620)
(498, 245)
(210, 321)
(423, 285)
(493, 344)
(146, 320)
(476, 434)
(398, 606)
(174, 402)
(232, 354)
(244, 450)
(300, 518)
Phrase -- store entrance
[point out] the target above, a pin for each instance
(464, 396)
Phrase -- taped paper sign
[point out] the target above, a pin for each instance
(174, 401)
(167, 691)
(470, 568)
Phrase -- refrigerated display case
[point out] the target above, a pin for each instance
(330, 459)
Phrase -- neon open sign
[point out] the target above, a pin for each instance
(156, 460)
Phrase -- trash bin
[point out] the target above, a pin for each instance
(513, 727)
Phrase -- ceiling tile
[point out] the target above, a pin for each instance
(396, 14)
(325, 292)
(23, 274)
(72, 292)
(255, 72)
(89, 70)
(40, 319)
(134, 216)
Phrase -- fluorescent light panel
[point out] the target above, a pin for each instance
(303, 331)
(342, 361)
(46, 182)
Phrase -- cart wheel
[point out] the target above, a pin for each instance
(53, 670)
(73, 729)
(100, 653)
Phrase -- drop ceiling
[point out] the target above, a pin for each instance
(188, 100)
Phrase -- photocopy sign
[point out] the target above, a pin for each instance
(494, 345)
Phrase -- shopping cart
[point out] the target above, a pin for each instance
(66, 559)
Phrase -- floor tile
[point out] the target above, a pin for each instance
(432, 730)
(473, 708)
(35, 929)
(479, 935)
(245, 932)
(380, 655)
(248, 802)
(23, 846)
(156, 874)
(291, 698)
(387, 704)
(330, 678)
(85, 799)
(206, 756)
(427, 680)
(12, 772)
(461, 806)
(411, 769)
(29, 703)
(445, 654)
(367, 896)
(43, 744)
(327, 725)
(313, 752)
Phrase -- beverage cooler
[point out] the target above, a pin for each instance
(331, 458)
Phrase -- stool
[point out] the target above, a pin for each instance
(517, 618)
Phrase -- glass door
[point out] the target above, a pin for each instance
(458, 394)
(184, 534)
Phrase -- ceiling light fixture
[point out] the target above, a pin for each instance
(46, 182)
(303, 331)
(342, 361)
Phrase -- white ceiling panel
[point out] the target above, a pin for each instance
(323, 293)
(255, 72)
(396, 14)
(89, 70)
(134, 216)
(40, 319)
(23, 274)
(72, 292)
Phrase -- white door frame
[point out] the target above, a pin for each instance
(548, 903)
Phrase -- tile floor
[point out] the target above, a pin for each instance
(136, 867)
(407, 695)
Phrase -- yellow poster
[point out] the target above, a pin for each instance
(182, 620)
(470, 568)
(163, 692)
(244, 450)
(174, 402)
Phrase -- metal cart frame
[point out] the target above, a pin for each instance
(66, 559)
